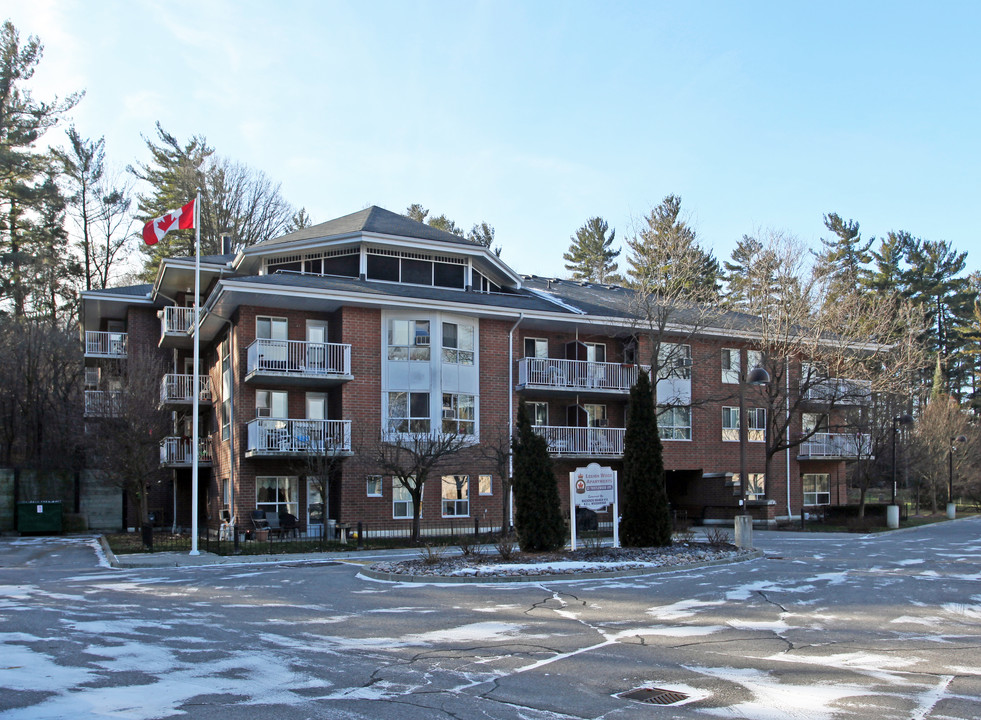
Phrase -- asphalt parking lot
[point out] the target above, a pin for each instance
(824, 626)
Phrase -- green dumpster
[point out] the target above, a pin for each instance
(39, 516)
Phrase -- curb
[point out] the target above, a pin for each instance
(477, 580)
(110, 555)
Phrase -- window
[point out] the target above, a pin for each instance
(596, 415)
(457, 343)
(754, 359)
(408, 340)
(486, 484)
(277, 494)
(818, 422)
(270, 328)
(730, 366)
(271, 403)
(226, 497)
(458, 414)
(755, 424)
(401, 501)
(536, 347)
(674, 360)
(224, 355)
(755, 488)
(674, 423)
(408, 412)
(817, 489)
(538, 412)
(374, 486)
(595, 352)
(92, 377)
(456, 495)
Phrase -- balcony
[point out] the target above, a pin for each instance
(178, 452)
(841, 391)
(584, 442)
(111, 345)
(835, 446)
(298, 363)
(177, 389)
(549, 376)
(102, 403)
(175, 326)
(274, 437)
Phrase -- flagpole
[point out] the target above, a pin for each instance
(194, 378)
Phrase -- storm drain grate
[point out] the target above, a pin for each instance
(654, 696)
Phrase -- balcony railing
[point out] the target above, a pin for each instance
(102, 403)
(105, 344)
(836, 446)
(274, 436)
(176, 320)
(584, 441)
(298, 358)
(178, 451)
(842, 391)
(178, 389)
(576, 375)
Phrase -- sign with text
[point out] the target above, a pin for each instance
(593, 486)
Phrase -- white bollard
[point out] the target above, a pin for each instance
(951, 511)
(744, 531)
(892, 517)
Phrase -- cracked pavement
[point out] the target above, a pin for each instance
(825, 626)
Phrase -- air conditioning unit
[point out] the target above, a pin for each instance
(263, 412)
(448, 414)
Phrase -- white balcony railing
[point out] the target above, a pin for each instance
(576, 374)
(586, 441)
(298, 357)
(274, 436)
(176, 320)
(102, 403)
(836, 445)
(841, 391)
(179, 451)
(176, 388)
(105, 344)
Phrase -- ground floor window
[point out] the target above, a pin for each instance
(401, 501)
(374, 486)
(817, 489)
(456, 495)
(486, 484)
(276, 494)
(755, 487)
(674, 423)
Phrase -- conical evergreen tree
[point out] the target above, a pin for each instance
(538, 514)
(644, 505)
(591, 255)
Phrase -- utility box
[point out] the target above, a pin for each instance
(42, 517)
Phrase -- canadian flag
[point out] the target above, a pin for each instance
(182, 219)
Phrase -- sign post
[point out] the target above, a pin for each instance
(594, 487)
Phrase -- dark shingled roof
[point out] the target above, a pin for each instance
(511, 301)
(212, 259)
(128, 290)
(373, 220)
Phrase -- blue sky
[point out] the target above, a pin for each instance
(535, 116)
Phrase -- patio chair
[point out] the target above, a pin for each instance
(274, 527)
(289, 525)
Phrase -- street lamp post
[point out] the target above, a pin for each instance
(892, 512)
(744, 523)
(951, 505)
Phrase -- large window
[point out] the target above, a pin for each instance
(674, 360)
(456, 495)
(271, 403)
(538, 412)
(755, 425)
(420, 270)
(457, 343)
(408, 412)
(595, 352)
(224, 356)
(409, 340)
(276, 494)
(817, 422)
(458, 414)
(270, 328)
(730, 366)
(536, 347)
(401, 501)
(755, 488)
(817, 489)
(674, 423)
(596, 416)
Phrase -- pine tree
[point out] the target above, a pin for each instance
(591, 255)
(665, 257)
(842, 262)
(644, 505)
(83, 164)
(538, 514)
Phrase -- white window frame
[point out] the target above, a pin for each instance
(485, 484)
(731, 364)
(668, 425)
(458, 350)
(273, 321)
(455, 496)
(814, 495)
(533, 408)
(596, 416)
(674, 359)
(594, 350)
(292, 491)
(402, 501)
(409, 340)
(539, 347)
(409, 423)
(755, 488)
(755, 424)
(373, 485)
(810, 421)
(266, 400)
(456, 408)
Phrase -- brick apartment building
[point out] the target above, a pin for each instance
(323, 340)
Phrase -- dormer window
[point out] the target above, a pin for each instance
(416, 268)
